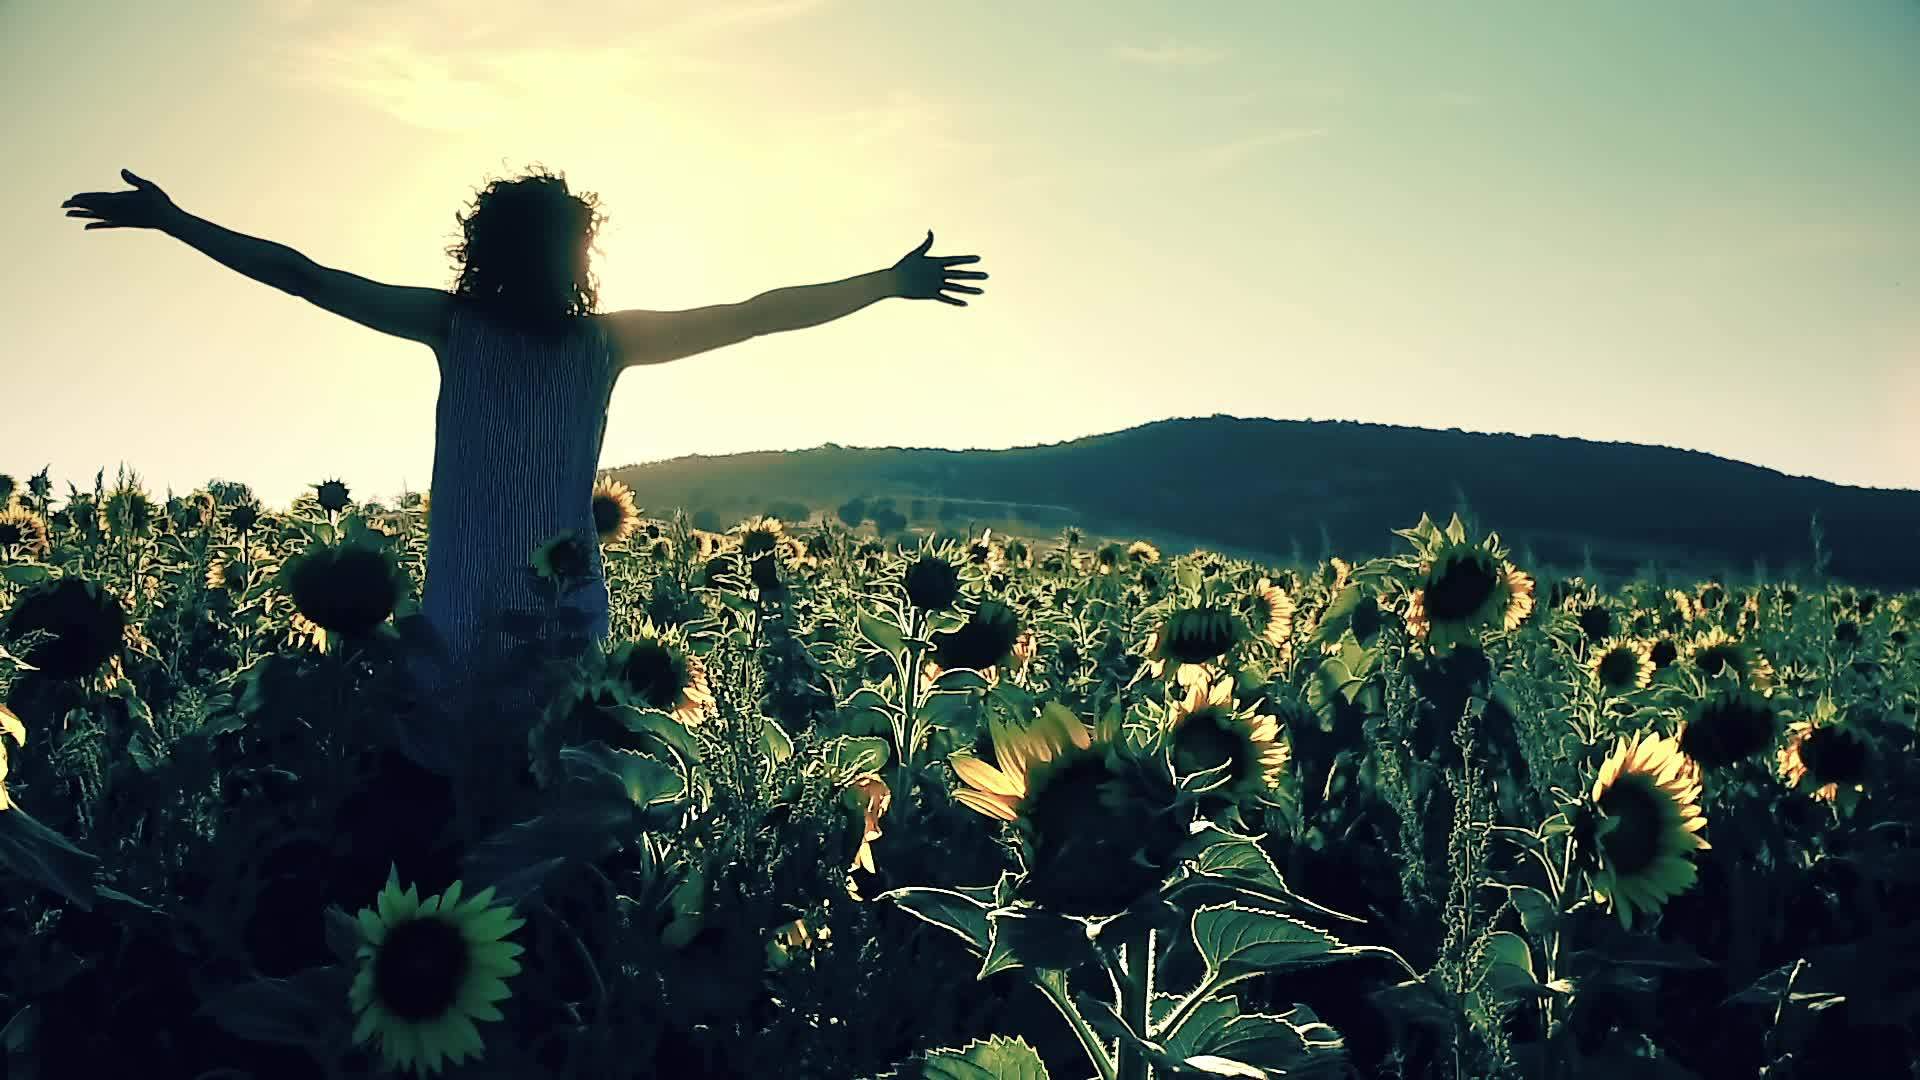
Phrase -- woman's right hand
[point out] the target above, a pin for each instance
(145, 207)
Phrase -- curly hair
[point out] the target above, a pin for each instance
(523, 248)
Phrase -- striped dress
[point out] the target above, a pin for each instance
(517, 435)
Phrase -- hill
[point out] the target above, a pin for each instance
(1284, 489)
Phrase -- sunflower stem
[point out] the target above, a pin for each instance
(1136, 990)
(1089, 1040)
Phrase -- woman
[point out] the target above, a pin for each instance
(526, 369)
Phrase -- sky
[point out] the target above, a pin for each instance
(1692, 223)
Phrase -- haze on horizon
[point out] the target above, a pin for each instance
(1683, 224)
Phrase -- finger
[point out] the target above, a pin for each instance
(969, 275)
(106, 225)
(956, 260)
(85, 214)
(136, 181)
(924, 244)
(942, 299)
(962, 288)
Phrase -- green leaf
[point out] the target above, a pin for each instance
(579, 824)
(1537, 913)
(1029, 937)
(882, 634)
(659, 725)
(294, 1011)
(1238, 943)
(858, 755)
(952, 911)
(1293, 1044)
(26, 573)
(343, 933)
(1229, 866)
(1505, 969)
(774, 740)
(32, 851)
(997, 1058)
(18, 1035)
(647, 780)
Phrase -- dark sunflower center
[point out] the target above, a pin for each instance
(1596, 622)
(1619, 668)
(758, 542)
(1204, 742)
(1463, 585)
(11, 533)
(1641, 811)
(1664, 652)
(332, 496)
(932, 583)
(347, 590)
(84, 627)
(655, 674)
(1835, 756)
(982, 642)
(606, 514)
(1716, 660)
(1728, 729)
(1197, 635)
(1847, 632)
(419, 968)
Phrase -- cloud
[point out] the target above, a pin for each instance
(459, 65)
(1169, 54)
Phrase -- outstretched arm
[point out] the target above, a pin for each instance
(417, 314)
(655, 337)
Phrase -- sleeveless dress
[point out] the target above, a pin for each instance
(518, 429)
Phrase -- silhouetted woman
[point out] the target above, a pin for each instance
(526, 369)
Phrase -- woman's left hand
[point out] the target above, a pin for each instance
(920, 277)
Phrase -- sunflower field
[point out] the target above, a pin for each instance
(961, 807)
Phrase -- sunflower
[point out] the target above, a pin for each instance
(242, 517)
(22, 529)
(1269, 612)
(228, 573)
(932, 583)
(1663, 652)
(1090, 836)
(1467, 588)
(985, 642)
(1642, 823)
(1207, 731)
(428, 971)
(10, 725)
(1717, 654)
(764, 544)
(1108, 558)
(84, 626)
(1028, 758)
(349, 587)
(1826, 758)
(562, 558)
(1141, 553)
(654, 672)
(987, 553)
(1622, 665)
(1596, 622)
(332, 496)
(871, 797)
(1191, 644)
(1730, 724)
(614, 515)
